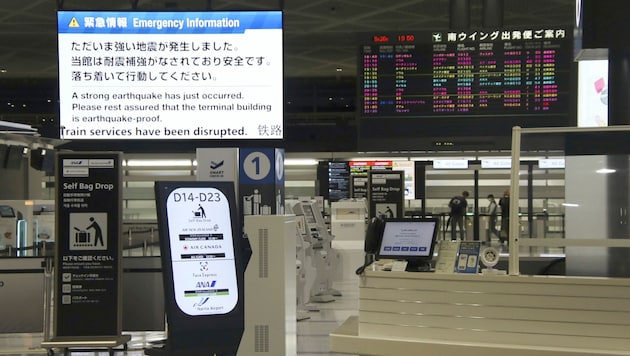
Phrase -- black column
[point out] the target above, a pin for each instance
(618, 189)
(420, 186)
(619, 86)
(530, 198)
(617, 214)
(459, 11)
(476, 212)
(492, 14)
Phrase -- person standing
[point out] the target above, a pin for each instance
(492, 218)
(98, 232)
(458, 205)
(504, 203)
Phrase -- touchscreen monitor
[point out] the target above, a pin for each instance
(409, 239)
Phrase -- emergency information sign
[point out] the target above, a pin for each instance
(170, 75)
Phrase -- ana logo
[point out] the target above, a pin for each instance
(215, 165)
(206, 284)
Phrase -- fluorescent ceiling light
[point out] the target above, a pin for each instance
(570, 205)
(159, 163)
(300, 162)
(606, 171)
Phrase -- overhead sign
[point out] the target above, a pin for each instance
(170, 75)
(450, 164)
(551, 163)
(496, 163)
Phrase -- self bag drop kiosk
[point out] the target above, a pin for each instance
(324, 258)
(202, 268)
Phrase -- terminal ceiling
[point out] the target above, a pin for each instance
(322, 37)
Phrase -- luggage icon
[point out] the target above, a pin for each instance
(81, 236)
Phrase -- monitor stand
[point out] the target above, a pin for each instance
(418, 266)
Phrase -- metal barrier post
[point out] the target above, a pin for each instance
(48, 272)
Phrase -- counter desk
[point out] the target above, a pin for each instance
(403, 313)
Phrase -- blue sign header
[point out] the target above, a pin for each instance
(119, 22)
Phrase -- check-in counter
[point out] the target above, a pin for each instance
(21, 295)
(402, 313)
(143, 294)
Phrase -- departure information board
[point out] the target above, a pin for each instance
(483, 73)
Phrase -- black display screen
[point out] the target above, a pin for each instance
(338, 181)
(499, 78)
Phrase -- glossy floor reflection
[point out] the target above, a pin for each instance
(312, 339)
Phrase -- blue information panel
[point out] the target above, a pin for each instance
(261, 181)
(468, 257)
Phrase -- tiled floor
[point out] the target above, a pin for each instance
(312, 333)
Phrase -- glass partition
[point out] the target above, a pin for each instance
(584, 219)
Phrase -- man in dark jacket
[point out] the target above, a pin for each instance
(458, 205)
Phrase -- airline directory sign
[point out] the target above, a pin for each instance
(202, 265)
(202, 253)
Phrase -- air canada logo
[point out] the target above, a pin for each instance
(202, 247)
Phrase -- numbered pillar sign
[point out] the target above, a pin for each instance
(261, 181)
(202, 266)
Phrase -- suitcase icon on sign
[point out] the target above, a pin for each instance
(81, 236)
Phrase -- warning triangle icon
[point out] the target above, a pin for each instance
(74, 23)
